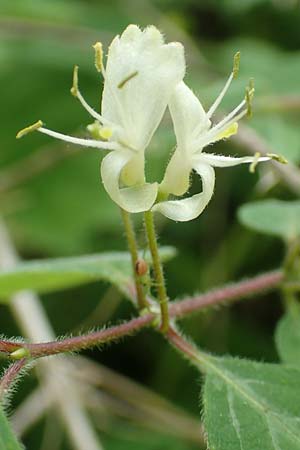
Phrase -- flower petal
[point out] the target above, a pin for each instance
(176, 180)
(133, 199)
(189, 117)
(141, 74)
(227, 161)
(134, 171)
(191, 207)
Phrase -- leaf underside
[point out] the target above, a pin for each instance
(61, 273)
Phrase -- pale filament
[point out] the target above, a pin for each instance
(220, 97)
(208, 137)
(90, 110)
(83, 142)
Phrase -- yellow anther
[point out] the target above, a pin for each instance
(74, 88)
(236, 64)
(97, 131)
(105, 133)
(230, 131)
(279, 158)
(249, 97)
(20, 353)
(98, 56)
(29, 129)
(94, 130)
(251, 84)
(123, 82)
(254, 162)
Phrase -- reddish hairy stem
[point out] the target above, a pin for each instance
(231, 292)
(177, 310)
(10, 375)
(89, 340)
(9, 346)
(185, 347)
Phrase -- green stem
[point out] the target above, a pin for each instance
(158, 271)
(292, 254)
(133, 249)
(292, 286)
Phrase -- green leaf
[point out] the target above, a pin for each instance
(55, 274)
(275, 217)
(251, 406)
(8, 441)
(287, 337)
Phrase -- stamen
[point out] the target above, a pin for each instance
(229, 116)
(228, 123)
(249, 97)
(94, 129)
(229, 131)
(279, 158)
(220, 97)
(97, 131)
(74, 88)
(91, 110)
(234, 73)
(213, 134)
(99, 57)
(247, 101)
(105, 133)
(236, 64)
(254, 163)
(83, 142)
(77, 94)
(122, 83)
(36, 126)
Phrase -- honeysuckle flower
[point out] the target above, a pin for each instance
(140, 75)
(194, 131)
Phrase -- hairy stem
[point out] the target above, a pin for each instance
(179, 309)
(201, 360)
(97, 338)
(133, 249)
(158, 271)
(231, 292)
(10, 375)
(187, 349)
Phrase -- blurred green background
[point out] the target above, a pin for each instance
(54, 205)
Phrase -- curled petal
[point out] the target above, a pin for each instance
(191, 207)
(141, 73)
(133, 199)
(228, 161)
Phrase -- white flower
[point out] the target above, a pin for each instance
(140, 76)
(194, 131)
